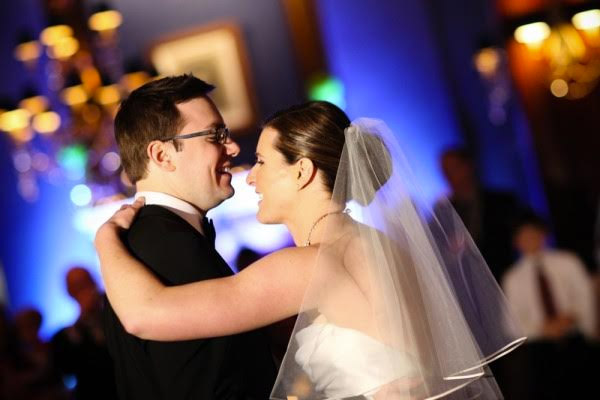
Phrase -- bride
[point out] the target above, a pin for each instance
(394, 301)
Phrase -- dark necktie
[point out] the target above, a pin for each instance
(545, 292)
(208, 229)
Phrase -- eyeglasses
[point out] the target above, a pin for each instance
(220, 135)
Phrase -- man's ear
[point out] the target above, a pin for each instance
(160, 154)
(305, 172)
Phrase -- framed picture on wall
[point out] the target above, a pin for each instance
(216, 54)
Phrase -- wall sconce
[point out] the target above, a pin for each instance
(587, 20)
(43, 120)
(28, 50)
(569, 42)
(108, 95)
(74, 94)
(46, 122)
(104, 19)
(16, 122)
(63, 48)
(34, 102)
(54, 33)
(532, 34)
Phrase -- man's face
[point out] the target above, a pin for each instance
(201, 174)
(530, 239)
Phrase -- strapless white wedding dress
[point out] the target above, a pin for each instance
(328, 355)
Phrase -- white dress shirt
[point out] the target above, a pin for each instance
(185, 210)
(569, 282)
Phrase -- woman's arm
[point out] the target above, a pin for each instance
(269, 290)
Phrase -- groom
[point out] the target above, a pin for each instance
(176, 149)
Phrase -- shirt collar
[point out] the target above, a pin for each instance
(184, 209)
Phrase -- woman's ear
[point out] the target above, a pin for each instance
(160, 154)
(306, 171)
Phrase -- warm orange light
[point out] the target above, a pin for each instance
(46, 123)
(487, 61)
(90, 79)
(35, 104)
(105, 20)
(14, 120)
(63, 48)
(107, 95)
(28, 51)
(559, 88)
(532, 34)
(91, 113)
(565, 45)
(587, 20)
(52, 34)
(134, 80)
(22, 135)
(74, 95)
(578, 90)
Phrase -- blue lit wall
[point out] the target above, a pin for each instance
(505, 156)
(388, 60)
(39, 244)
(410, 63)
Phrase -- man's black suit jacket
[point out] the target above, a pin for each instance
(230, 367)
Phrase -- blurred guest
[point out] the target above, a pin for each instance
(80, 350)
(27, 323)
(9, 355)
(487, 214)
(26, 371)
(550, 290)
(552, 296)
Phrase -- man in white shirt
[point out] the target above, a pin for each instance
(569, 284)
(552, 295)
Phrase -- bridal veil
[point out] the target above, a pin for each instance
(401, 304)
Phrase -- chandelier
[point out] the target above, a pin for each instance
(61, 130)
(567, 40)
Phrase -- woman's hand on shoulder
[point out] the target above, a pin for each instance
(120, 220)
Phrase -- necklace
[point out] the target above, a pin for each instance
(307, 243)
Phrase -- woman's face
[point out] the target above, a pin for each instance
(274, 180)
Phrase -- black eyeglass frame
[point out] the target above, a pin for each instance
(221, 133)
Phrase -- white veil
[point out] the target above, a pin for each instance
(401, 304)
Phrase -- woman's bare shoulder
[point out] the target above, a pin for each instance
(362, 245)
(294, 255)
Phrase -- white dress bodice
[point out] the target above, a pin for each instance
(344, 362)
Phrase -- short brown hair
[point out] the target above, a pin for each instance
(149, 113)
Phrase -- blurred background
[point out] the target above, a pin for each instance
(494, 97)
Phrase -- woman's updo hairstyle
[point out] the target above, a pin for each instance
(313, 130)
(316, 130)
(372, 165)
